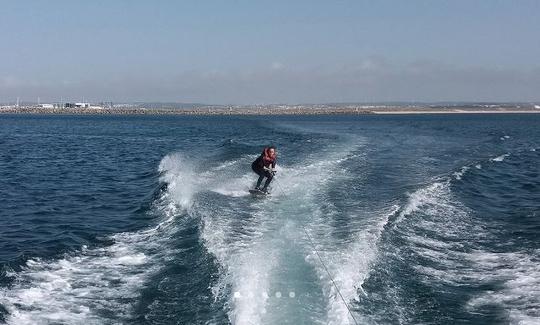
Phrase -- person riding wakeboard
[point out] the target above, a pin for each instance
(264, 166)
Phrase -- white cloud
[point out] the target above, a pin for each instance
(370, 79)
(277, 65)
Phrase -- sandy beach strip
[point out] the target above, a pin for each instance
(458, 112)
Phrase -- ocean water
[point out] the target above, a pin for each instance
(429, 219)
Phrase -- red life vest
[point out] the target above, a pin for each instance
(268, 159)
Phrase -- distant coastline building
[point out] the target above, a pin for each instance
(76, 105)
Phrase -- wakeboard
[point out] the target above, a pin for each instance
(258, 193)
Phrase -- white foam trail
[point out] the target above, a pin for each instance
(515, 275)
(233, 193)
(251, 286)
(350, 266)
(246, 259)
(442, 214)
(235, 186)
(422, 197)
(93, 285)
(456, 262)
(438, 212)
(349, 263)
(242, 249)
(227, 164)
(240, 246)
(245, 264)
(250, 261)
(461, 172)
(230, 178)
(519, 274)
(181, 183)
(80, 288)
(235, 163)
(500, 158)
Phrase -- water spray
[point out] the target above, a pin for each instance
(312, 244)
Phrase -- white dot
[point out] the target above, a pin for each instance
(292, 294)
(265, 295)
(237, 295)
(278, 294)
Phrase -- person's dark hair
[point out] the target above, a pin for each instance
(272, 147)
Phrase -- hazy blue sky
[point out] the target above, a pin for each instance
(270, 51)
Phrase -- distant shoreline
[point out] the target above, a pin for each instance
(195, 112)
(258, 111)
(458, 112)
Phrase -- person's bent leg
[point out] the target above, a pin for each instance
(269, 178)
(259, 181)
(259, 171)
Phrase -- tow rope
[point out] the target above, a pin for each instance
(312, 244)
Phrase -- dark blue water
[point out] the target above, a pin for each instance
(430, 219)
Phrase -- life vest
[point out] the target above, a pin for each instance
(265, 159)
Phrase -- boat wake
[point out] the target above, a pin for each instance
(299, 256)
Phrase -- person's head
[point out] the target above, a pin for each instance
(271, 151)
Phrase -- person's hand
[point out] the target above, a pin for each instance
(274, 172)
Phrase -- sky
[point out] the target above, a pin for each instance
(262, 52)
